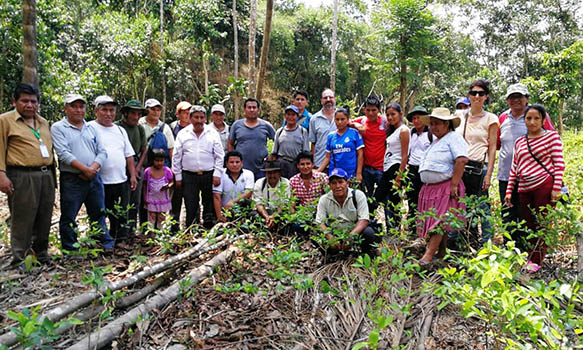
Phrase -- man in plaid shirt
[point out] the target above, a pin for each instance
(308, 185)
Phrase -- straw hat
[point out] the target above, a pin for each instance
(442, 113)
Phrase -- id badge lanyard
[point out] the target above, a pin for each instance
(44, 151)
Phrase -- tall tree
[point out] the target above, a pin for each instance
(334, 48)
(252, 34)
(163, 60)
(236, 57)
(29, 40)
(264, 48)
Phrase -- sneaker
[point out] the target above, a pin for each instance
(531, 267)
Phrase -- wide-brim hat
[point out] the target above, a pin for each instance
(271, 165)
(135, 105)
(442, 113)
(419, 110)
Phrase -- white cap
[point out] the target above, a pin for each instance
(70, 98)
(517, 88)
(152, 102)
(218, 108)
(103, 100)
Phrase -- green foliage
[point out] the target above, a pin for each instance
(33, 330)
(518, 314)
(95, 277)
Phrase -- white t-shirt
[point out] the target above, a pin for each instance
(117, 144)
(393, 153)
(230, 189)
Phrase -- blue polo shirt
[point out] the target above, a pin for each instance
(73, 144)
(342, 149)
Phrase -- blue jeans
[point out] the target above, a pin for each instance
(74, 193)
(371, 177)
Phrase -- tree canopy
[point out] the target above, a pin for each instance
(410, 51)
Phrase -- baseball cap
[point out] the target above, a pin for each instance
(152, 102)
(338, 172)
(218, 108)
(197, 108)
(517, 88)
(463, 100)
(292, 108)
(103, 100)
(70, 98)
(182, 106)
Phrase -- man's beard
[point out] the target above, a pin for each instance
(329, 106)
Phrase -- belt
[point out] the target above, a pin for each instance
(200, 172)
(43, 169)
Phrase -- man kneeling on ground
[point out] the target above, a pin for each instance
(266, 193)
(236, 185)
(349, 209)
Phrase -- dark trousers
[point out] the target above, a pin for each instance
(369, 239)
(194, 187)
(177, 196)
(31, 210)
(385, 193)
(371, 177)
(135, 202)
(74, 193)
(288, 168)
(473, 185)
(512, 216)
(414, 179)
(532, 203)
(117, 195)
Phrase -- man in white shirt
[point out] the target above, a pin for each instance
(197, 163)
(236, 185)
(119, 162)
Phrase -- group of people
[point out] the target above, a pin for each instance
(150, 167)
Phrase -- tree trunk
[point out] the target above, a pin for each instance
(236, 53)
(403, 87)
(163, 60)
(252, 33)
(264, 48)
(29, 57)
(334, 46)
(206, 66)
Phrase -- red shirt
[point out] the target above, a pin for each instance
(317, 188)
(374, 140)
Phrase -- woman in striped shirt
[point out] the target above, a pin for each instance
(537, 170)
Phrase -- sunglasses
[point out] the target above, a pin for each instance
(477, 93)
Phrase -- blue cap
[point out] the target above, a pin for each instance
(463, 100)
(338, 172)
(292, 108)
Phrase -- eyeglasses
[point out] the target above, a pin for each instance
(477, 93)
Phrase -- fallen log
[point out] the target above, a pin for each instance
(86, 298)
(106, 335)
(124, 302)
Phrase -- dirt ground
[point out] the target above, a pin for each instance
(243, 306)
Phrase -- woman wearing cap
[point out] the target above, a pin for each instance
(344, 147)
(480, 130)
(441, 172)
(395, 162)
(420, 140)
(289, 141)
(537, 170)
